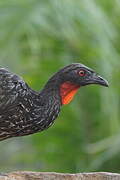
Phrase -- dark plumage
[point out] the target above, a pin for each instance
(24, 111)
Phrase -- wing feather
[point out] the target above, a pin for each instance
(11, 88)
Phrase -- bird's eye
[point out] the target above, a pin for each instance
(81, 73)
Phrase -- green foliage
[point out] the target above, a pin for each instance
(36, 39)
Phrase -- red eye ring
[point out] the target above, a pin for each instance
(82, 73)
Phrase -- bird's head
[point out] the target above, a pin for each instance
(72, 77)
(80, 75)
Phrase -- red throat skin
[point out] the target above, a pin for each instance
(68, 91)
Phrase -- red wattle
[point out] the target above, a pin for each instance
(68, 91)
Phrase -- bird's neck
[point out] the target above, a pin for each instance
(49, 101)
(50, 93)
(62, 91)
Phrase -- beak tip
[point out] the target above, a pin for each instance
(103, 82)
(106, 84)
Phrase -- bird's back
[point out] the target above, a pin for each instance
(13, 91)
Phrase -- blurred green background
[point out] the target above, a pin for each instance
(37, 37)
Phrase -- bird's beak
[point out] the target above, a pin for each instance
(96, 79)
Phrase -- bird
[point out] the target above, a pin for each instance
(24, 111)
